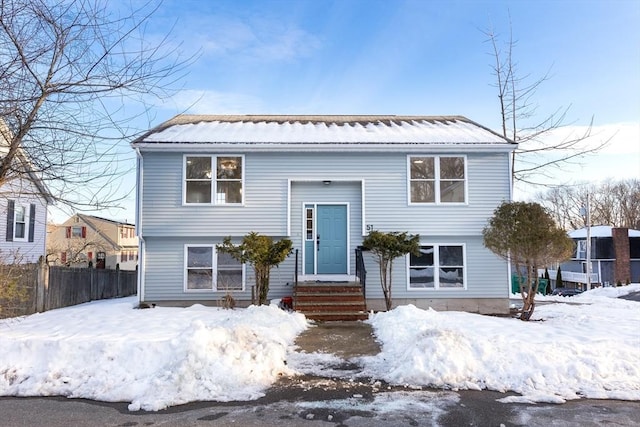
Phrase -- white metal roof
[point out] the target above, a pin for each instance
(339, 132)
(599, 231)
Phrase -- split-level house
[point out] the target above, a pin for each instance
(24, 199)
(324, 182)
(85, 239)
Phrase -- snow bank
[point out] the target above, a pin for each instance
(588, 349)
(153, 358)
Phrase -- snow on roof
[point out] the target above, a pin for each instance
(599, 231)
(309, 130)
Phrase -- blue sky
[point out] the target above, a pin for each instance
(415, 57)
(405, 57)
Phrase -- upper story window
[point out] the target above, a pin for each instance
(76, 231)
(437, 179)
(581, 249)
(127, 232)
(20, 222)
(215, 180)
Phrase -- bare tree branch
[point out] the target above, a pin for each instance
(614, 203)
(518, 113)
(74, 77)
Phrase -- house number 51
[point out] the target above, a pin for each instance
(369, 227)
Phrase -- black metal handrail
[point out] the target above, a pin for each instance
(295, 277)
(361, 271)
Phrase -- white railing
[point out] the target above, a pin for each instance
(571, 276)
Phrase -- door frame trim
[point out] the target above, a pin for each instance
(315, 276)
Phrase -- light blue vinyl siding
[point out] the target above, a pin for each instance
(266, 181)
(486, 274)
(167, 224)
(164, 267)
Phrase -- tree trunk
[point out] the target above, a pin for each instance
(388, 299)
(529, 302)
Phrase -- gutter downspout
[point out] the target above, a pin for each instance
(141, 242)
(510, 156)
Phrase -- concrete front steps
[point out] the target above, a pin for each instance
(324, 301)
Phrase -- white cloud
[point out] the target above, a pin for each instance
(618, 160)
(261, 39)
(197, 101)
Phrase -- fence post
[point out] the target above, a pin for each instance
(118, 278)
(42, 285)
(93, 274)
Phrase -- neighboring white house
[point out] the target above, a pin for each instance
(615, 256)
(24, 199)
(324, 182)
(84, 239)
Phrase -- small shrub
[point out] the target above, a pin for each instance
(14, 293)
(228, 301)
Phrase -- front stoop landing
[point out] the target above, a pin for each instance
(329, 301)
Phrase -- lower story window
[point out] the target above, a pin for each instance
(210, 270)
(437, 267)
(229, 275)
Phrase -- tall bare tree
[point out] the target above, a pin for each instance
(521, 123)
(74, 76)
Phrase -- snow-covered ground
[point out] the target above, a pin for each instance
(583, 346)
(153, 358)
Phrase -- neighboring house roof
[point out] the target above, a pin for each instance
(90, 221)
(309, 133)
(24, 164)
(599, 231)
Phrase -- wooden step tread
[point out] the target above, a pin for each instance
(333, 316)
(301, 304)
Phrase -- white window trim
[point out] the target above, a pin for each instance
(26, 222)
(214, 274)
(214, 181)
(436, 266)
(437, 180)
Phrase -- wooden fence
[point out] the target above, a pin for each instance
(41, 287)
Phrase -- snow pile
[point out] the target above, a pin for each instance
(609, 292)
(588, 349)
(153, 358)
(582, 346)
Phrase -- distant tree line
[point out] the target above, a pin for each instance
(614, 203)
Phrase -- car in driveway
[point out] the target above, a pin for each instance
(566, 292)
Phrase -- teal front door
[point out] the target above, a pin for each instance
(331, 239)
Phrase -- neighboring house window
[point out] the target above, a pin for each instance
(63, 257)
(437, 179)
(76, 231)
(20, 222)
(131, 255)
(209, 270)
(123, 256)
(213, 180)
(437, 267)
(581, 249)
